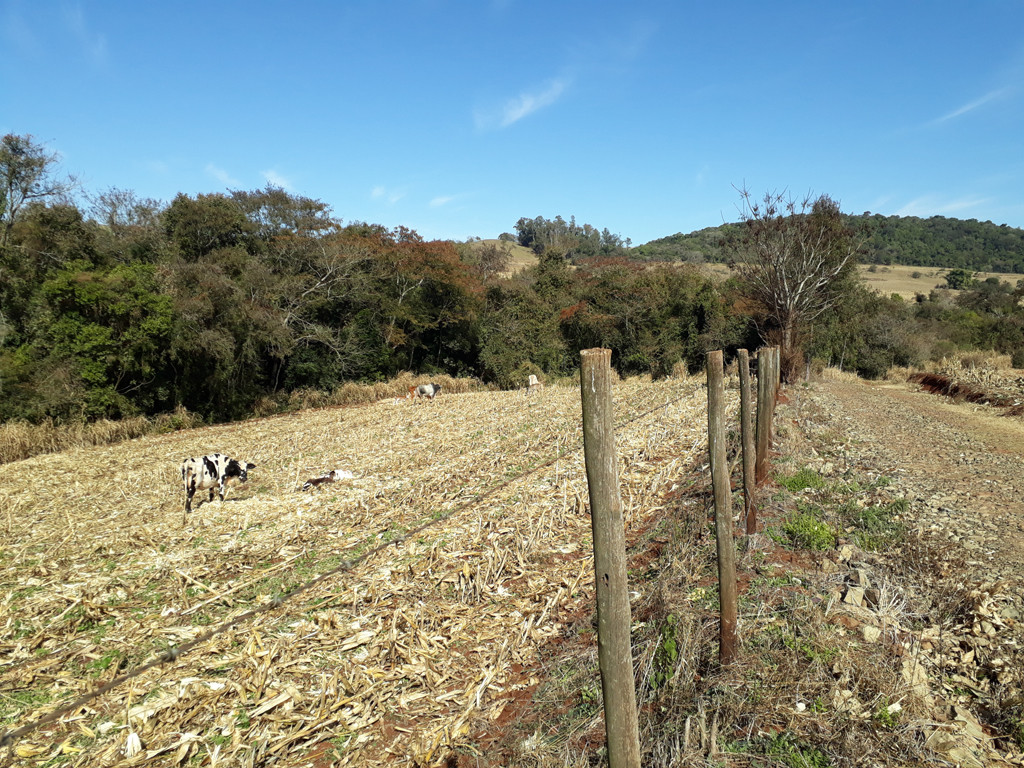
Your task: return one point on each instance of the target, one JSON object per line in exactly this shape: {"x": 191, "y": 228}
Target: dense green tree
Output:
{"x": 867, "y": 333}
{"x": 520, "y": 334}
{"x": 278, "y": 215}
{"x": 651, "y": 318}
{"x": 96, "y": 346}
{"x": 207, "y": 224}
{"x": 958, "y": 279}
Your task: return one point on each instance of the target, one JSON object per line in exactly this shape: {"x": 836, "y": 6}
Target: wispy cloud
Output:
{"x": 277, "y": 180}
{"x": 515, "y": 109}
{"x": 94, "y": 45}
{"x": 931, "y": 205}
{"x": 390, "y": 196}
{"x": 441, "y": 200}
{"x": 222, "y": 176}
{"x": 973, "y": 105}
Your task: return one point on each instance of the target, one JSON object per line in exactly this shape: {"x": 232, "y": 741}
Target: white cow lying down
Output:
{"x": 327, "y": 477}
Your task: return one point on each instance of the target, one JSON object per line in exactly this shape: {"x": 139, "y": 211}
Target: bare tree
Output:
{"x": 792, "y": 261}
{"x": 26, "y": 174}
{"x": 122, "y": 209}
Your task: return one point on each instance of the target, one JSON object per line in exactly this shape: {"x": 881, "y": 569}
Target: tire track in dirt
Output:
{"x": 962, "y": 465}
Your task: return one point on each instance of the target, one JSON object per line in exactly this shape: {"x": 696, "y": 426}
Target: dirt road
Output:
{"x": 961, "y": 465}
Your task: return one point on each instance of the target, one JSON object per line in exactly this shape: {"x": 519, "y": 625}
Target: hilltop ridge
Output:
{"x": 933, "y": 242}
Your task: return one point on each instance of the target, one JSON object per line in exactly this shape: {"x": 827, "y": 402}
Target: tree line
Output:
{"x": 113, "y": 305}
{"x": 217, "y": 302}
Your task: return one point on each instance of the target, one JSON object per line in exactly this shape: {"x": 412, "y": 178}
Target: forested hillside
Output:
{"x": 979, "y": 246}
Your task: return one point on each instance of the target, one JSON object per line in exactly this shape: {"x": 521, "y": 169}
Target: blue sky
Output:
{"x": 458, "y": 118}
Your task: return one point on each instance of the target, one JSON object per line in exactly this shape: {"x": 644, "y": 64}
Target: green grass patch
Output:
{"x": 666, "y": 655}
{"x": 793, "y": 753}
{"x": 804, "y": 478}
{"x": 14, "y": 704}
{"x": 806, "y": 529}
{"x": 876, "y": 527}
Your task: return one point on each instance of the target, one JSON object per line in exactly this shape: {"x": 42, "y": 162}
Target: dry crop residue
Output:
{"x": 395, "y": 662}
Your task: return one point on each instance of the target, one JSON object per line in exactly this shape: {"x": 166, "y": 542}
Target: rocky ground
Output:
{"x": 960, "y": 466}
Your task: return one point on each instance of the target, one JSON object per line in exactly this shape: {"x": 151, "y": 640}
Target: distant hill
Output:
{"x": 980, "y": 246}
{"x": 519, "y": 257}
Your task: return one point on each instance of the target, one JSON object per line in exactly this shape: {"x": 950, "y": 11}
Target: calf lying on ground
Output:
{"x": 328, "y": 477}
{"x": 424, "y": 390}
{"x": 213, "y": 471}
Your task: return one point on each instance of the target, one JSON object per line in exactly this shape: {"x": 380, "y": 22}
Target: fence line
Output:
{"x": 10, "y": 737}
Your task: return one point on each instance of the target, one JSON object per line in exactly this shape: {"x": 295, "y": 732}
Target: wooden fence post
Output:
{"x": 614, "y": 649}
{"x": 776, "y": 370}
{"x": 723, "y": 509}
{"x": 776, "y": 388}
{"x": 747, "y": 440}
{"x": 764, "y": 415}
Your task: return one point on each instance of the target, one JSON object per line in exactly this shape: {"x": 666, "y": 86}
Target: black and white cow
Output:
{"x": 424, "y": 390}
{"x": 212, "y": 472}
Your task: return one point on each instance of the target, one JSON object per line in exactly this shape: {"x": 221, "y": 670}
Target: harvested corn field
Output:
{"x": 450, "y": 559}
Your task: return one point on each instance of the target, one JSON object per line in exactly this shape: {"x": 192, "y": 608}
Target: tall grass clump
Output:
{"x": 23, "y": 440}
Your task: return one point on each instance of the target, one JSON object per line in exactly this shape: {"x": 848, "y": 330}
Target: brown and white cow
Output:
{"x": 429, "y": 391}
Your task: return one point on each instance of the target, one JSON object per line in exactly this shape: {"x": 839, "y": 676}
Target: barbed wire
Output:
{"x": 10, "y": 737}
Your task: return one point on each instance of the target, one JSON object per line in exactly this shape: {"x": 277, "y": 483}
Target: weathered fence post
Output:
{"x": 776, "y": 388}
{"x": 776, "y": 371}
{"x": 723, "y": 508}
{"x": 747, "y": 440}
{"x": 764, "y": 414}
{"x": 614, "y": 649}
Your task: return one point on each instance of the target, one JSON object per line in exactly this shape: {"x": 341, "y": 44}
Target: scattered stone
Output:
{"x": 847, "y": 701}
{"x": 828, "y": 566}
{"x": 847, "y": 621}
{"x": 859, "y": 578}
{"x": 854, "y": 596}
{"x": 916, "y": 678}
{"x": 870, "y": 634}
{"x": 946, "y": 743}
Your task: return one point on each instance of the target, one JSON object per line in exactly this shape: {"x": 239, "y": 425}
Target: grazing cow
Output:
{"x": 212, "y": 472}
{"x": 328, "y": 477}
{"x": 424, "y": 390}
